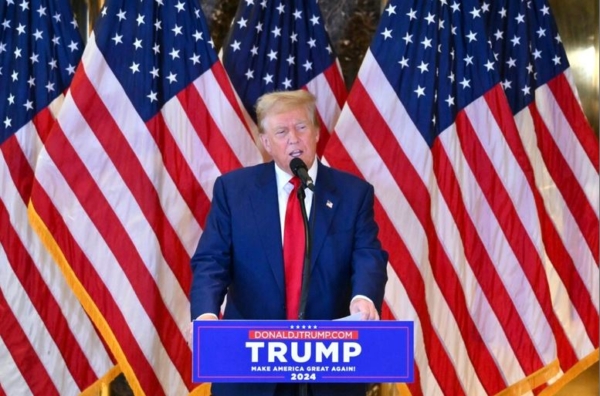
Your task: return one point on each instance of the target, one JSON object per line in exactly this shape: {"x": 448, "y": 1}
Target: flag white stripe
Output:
{"x": 400, "y": 304}
{"x": 568, "y": 315}
{"x": 556, "y": 207}
{"x": 126, "y": 208}
{"x": 135, "y": 132}
{"x": 478, "y": 305}
{"x": 10, "y": 375}
{"x": 98, "y": 252}
{"x": 506, "y": 166}
{"x": 231, "y": 127}
{"x": 566, "y": 141}
{"x": 393, "y": 112}
{"x": 39, "y": 337}
{"x": 82, "y": 329}
{"x": 403, "y": 219}
{"x": 327, "y": 104}
{"x": 196, "y": 156}
{"x": 497, "y": 246}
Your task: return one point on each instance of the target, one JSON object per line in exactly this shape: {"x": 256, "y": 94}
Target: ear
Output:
{"x": 265, "y": 142}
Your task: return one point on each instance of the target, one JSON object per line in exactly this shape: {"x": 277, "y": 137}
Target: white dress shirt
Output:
{"x": 284, "y": 188}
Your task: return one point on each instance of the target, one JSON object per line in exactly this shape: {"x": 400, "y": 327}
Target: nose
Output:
{"x": 292, "y": 136}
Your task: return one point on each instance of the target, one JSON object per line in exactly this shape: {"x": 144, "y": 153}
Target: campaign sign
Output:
{"x": 302, "y": 351}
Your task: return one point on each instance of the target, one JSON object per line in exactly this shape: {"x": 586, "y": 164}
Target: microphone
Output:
{"x": 299, "y": 169}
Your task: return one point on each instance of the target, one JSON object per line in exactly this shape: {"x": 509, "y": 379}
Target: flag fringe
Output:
{"x": 395, "y": 389}
{"x": 102, "y": 386}
{"x": 84, "y": 298}
{"x": 202, "y": 390}
{"x": 571, "y": 374}
{"x": 529, "y": 383}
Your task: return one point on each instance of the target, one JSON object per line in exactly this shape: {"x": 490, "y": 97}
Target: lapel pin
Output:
{"x": 329, "y": 204}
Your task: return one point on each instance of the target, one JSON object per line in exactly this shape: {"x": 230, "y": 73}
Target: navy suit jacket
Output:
{"x": 240, "y": 253}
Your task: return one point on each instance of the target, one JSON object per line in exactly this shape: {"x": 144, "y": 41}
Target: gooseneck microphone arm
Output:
{"x": 299, "y": 169}
{"x": 303, "y": 387}
{"x": 307, "y": 250}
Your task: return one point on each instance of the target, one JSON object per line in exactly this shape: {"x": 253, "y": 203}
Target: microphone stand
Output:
{"x": 303, "y": 387}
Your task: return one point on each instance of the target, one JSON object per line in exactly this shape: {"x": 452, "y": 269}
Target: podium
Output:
{"x": 302, "y": 351}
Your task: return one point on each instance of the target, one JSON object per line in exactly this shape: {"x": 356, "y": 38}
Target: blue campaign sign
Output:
{"x": 302, "y": 351}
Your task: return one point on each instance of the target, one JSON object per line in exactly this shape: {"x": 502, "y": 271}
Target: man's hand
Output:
{"x": 364, "y": 306}
{"x": 206, "y": 316}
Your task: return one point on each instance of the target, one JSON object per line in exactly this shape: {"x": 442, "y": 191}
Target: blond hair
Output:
{"x": 282, "y": 101}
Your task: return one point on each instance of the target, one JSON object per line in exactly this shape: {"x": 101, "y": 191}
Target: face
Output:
{"x": 288, "y": 135}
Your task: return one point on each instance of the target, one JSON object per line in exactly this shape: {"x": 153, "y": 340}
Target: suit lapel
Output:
{"x": 266, "y": 215}
{"x": 323, "y": 210}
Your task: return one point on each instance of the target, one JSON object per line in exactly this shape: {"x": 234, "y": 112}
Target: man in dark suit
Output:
{"x": 240, "y": 253}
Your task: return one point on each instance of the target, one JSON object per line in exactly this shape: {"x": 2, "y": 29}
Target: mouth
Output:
{"x": 296, "y": 153}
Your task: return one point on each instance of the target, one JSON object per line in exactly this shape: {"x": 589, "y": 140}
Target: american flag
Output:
{"x": 47, "y": 343}
{"x": 563, "y": 150}
{"x": 125, "y": 180}
{"x": 428, "y": 124}
{"x": 280, "y": 45}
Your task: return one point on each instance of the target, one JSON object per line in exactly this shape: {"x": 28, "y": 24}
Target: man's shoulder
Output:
{"x": 343, "y": 177}
{"x": 248, "y": 176}
{"x": 246, "y": 172}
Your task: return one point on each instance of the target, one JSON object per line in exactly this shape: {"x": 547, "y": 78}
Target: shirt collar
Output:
{"x": 283, "y": 177}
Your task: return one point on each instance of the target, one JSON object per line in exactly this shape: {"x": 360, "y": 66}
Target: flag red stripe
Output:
{"x": 47, "y": 307}
{"x": 118, "y": 240}
{"x": 19, "y": 167}
{"x": 407, "y": 179}
{"x": 87, "y": 275}
{"x": 43, "y": 122}
{"x": 21, "y": 350}
{"x": 571, "y": 191}
{"x": 336, "y": 82}
{"x": 409, "y": 275}
{"x": 569, "y": 104}
{"x": 567, "y": 271}
{"x": 484, "y": 270}
{"x": 225, "y": 84}
{"x": 552, "y": 242}
{"x": 35, "y": 286}
{"x": 183, "y": 177}
{"x": 415, "y": 386}
{"x": 204, "y": 125}
{"x": 324, "y": 135}
{"x": 501, "y": 204}
{"x": 128, "y": 165}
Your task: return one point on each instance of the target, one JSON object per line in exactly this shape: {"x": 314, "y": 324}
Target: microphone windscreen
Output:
{"x": 296, "y": 164}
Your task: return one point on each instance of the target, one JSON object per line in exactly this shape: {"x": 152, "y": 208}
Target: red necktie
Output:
{"x": 293, "y": 251}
